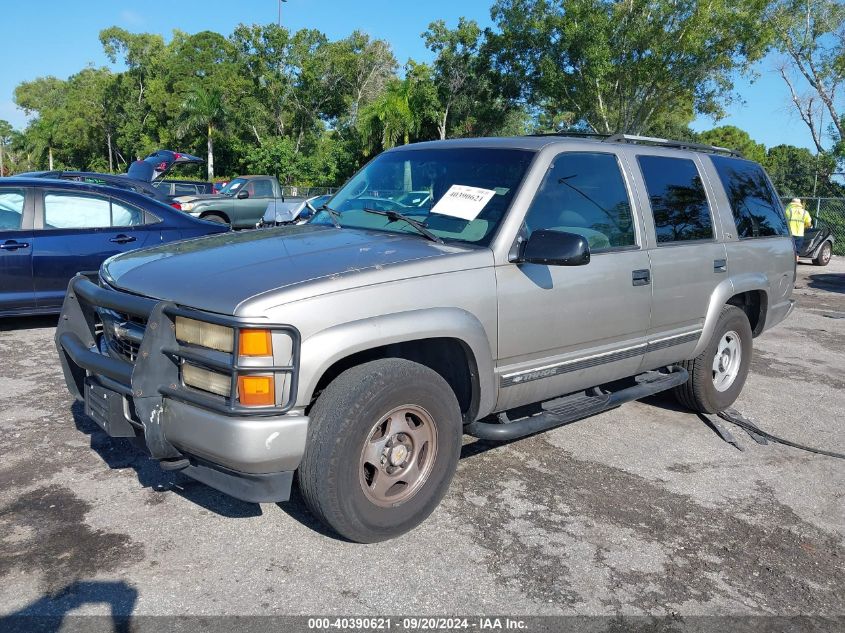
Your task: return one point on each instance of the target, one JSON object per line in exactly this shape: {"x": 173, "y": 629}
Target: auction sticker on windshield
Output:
{"x": 463, "y": 202}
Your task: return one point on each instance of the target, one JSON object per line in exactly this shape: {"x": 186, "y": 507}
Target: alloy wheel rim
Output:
{"x": 727, "y": 361}
{"x": 398, "y": 455}
{"x": 826, "y": 252}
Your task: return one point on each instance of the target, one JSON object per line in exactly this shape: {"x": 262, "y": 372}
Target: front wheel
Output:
{"x": 823, "y": 258}
{"x": 383, "y": 444}
{"x": 717, "y": 375}
{"x": 215, "y": 217}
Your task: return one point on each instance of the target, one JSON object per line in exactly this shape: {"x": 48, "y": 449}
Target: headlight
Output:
{"x": 209, "y": 335}
{"x": 206, "y": 380}
{"x": 187, "y": 206}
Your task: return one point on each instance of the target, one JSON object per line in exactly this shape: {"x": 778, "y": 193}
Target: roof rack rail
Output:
{"x": 573, "y": 134}
{"x": 663, "y": 142}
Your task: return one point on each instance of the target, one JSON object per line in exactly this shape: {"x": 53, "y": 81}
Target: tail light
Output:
{"x": 176, "y": 206}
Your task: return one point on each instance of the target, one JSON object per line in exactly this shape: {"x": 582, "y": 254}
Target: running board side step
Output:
{"x": 577, "y": 406}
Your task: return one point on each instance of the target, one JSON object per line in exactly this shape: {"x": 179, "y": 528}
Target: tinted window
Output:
{"x": 262, "y": 189}
{"x": 757, "y": 212}
{"x": 678, "y": 201}
{"x": 184, "y": 189}
{"x": 584, "y": 193}
{"x": 11, "y": 209}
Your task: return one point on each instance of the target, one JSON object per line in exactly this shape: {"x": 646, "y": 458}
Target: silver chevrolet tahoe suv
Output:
{"x": 545, "y": 279}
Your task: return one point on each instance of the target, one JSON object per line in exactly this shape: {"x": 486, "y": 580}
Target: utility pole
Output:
{"x": 280, "y": 12}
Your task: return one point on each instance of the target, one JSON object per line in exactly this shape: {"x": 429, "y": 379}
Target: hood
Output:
{"x": 199, "y": 197}
{"x": 282, "y": 211}
{"x": 220, "y": 272}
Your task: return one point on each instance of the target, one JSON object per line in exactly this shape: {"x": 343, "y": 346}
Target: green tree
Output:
{"x": 44, "y": 97}
{"x": 811, "y": 35}
{"x": 620, "y": 65}
{"x": 734, "y": 138}
{"x": 796, "y": 171}
{"x": 6, "y": 131}
{"x": 204, "y": 108}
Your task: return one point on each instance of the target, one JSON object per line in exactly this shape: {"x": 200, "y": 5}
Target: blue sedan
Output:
{"x": 51, "y": 229}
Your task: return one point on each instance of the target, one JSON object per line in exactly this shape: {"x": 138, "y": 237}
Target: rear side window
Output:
{"x": 123, "y": 214}
{"x": 678, "y": 201}
{"x": 756, "y": 209}
{"x": 583, "y": 193}
{"x": 11, "y": 209}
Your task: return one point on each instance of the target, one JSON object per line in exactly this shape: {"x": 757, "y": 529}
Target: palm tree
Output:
{"x": 389, "y": 119}
{"x": 205, "y": 109}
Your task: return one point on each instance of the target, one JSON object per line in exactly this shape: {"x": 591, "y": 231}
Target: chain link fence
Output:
{"x": 831, "y": 213}
{"x": 293, "y": 191}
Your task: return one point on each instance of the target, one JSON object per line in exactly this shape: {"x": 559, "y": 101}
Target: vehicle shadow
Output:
{"x": 11, "y": 324}
{"x": 831, "y": 282}
{"x": 122, "y": 453}
{"x": 47, "y": 614}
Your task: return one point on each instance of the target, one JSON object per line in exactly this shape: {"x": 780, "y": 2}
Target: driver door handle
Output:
{"x": 12, "y": 245}
{"x": 122, "y": 239}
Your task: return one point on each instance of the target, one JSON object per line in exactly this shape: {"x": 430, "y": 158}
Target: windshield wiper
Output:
{"x": 334, "y": 215}
{"x": 394, "y": 216}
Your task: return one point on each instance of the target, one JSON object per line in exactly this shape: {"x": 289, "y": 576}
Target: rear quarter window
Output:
{"x": 756, "y": 209}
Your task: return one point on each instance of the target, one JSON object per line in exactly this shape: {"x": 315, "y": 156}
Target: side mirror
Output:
{"x": 556, "y": 248}
{"x": 243, "y": 193}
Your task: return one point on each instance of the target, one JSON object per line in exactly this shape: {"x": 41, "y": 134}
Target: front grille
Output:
{"x": 123, "y": 333}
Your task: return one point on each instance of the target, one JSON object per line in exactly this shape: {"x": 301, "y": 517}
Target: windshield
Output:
{"x": 456, "y": 193}
{"x": 232, "y": 188}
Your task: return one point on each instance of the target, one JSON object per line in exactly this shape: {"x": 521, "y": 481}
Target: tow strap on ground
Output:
{"x": 757, "y": 434}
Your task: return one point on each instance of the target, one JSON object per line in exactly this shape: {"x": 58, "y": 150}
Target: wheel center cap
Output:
{"x": 398, "y": 454}
{"x": 725, "y": 361}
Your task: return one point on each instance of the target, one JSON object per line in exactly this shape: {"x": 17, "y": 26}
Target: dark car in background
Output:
{"x": 175, "y": 188}
{"x": 52, "y": 229}
{"x": 120, "y": 181}
{"x": 142, "y": 177}
{"x": 818, "y": 243}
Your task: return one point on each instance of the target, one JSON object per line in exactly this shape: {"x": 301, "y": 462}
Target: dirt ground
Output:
{"x": 641, "y": 510}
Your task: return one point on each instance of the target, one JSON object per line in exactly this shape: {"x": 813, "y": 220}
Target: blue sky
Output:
{"x": 32, "y": 46}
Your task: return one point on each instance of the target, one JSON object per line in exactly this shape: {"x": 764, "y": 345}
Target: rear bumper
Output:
{"x": 250, "y": 455}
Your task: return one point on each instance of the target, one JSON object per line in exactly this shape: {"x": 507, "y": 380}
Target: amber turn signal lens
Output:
{"x": 256, "y": 391}
{"x": 255, "y": 343}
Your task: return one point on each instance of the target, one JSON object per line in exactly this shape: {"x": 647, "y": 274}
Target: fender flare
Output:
{"x": 726, "y": 289}
{"x": 322, "y": 350}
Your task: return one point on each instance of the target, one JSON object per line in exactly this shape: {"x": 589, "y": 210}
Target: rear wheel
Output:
{"x": 383, "y": 444}
{"x": 823, "y": 258}
{"x": 717, "y": 375}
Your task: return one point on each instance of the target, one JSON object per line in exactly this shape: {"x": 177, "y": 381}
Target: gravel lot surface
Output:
{"x": 641, "y": 510}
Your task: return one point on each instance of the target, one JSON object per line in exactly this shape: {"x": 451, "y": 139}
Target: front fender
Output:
{"x": 724, "y": 291}
{"x": 322, "y": 350}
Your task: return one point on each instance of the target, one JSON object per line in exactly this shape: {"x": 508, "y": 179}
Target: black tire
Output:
{"x": 215, "y": 217}
{"x": 340, "y": 427}
{"x": 699, "y": 393}
{"x": 823, "y": 258}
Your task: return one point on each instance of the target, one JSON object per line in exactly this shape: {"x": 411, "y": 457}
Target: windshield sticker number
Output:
{"x": 463, "y": 202}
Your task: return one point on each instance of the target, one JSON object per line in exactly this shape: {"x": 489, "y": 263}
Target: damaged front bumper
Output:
{"x": 248, "y": 453}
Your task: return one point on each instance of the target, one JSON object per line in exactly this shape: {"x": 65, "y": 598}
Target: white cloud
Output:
{"x": 132, "y": 18}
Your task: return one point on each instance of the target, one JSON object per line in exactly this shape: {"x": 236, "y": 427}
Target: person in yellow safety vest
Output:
{"x": 799, "y": 219}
